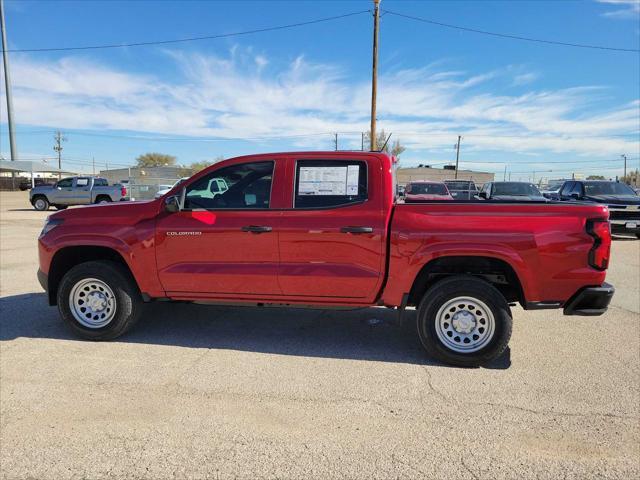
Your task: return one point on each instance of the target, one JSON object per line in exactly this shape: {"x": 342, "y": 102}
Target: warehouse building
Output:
{"x": 426, "y": 173}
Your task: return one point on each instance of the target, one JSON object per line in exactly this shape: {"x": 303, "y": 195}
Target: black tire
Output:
{"x": 103, "y": 199}
{"x": 128, "y": 301}
{"x": 464, "y": 286}
{"x": 60, "y": 207}
{"x": 637, "y": 235}
{"x": 40, "y": 203}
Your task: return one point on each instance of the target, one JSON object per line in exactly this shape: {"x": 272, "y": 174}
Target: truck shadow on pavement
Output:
{"x": 371, "y": 334}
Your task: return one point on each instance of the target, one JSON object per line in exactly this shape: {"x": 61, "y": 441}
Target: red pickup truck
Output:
{"x": 325, "y": 229}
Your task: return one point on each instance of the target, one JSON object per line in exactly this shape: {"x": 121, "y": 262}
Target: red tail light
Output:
{"x": 123, "y": 191}
{"x": 599, "y": 254}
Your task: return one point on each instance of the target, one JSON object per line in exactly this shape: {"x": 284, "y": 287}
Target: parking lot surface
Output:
{"x": 217, "y": 392}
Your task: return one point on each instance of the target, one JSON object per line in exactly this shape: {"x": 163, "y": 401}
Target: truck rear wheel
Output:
{"x": 464, "y": 321}
{"x": 98, "y": 300}
{"x": 41, "y": 203}
{"x": 103, "y": 199}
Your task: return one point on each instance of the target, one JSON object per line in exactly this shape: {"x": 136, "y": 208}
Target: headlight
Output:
{"x": 49, "y": 225}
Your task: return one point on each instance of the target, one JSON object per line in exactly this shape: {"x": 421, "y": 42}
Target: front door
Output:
{"x": 64, "y": 194}
{"x": 223, "y": 242}
{"x": 332, "y": 239}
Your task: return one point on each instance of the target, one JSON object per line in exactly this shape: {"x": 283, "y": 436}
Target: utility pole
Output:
{"x": 59, "y": 138}
{"x": 625, "y": 164}
{"x": 374, "y": 72}
{"x": 7, "y": 84}
{"x": 457, "y": 155}
{"x": 93, "y": 161}
{"x": 335, "y": 141}
{"x": 362, "y": 139}
{"x": 504, "y": 176}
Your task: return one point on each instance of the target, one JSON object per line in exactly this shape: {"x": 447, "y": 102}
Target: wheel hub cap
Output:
{"x": 464, "y": 322}
{"x": 92, "y": 303}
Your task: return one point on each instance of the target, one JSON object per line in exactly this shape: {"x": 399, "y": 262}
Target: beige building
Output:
{"x": 406, "y": 175}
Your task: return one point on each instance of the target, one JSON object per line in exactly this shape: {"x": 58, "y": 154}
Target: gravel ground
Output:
{"x": 197, "y": 391}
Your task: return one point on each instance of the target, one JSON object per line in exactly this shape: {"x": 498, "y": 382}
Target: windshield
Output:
{"x": 516, "y": 189}
{"x": 607, "y": 188}
{"x": 427, "y": 189}
{"x": 461, "y": 185}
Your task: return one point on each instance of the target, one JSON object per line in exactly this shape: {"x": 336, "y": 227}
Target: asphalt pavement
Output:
{"x": 228, "y": 392}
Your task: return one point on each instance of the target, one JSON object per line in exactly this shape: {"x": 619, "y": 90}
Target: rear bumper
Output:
{"x": 590, "y": 301}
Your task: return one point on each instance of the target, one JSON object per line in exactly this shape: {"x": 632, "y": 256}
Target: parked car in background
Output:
{"x": 462, "y": 189}
{"x": 167, "y": 188}
{"x": 425, "y": 191}
{"x": 552, "y": 189}
{"x": 623, "y": 202}
{"x": 37, "y": 182}
{"x": 323, "y": 229}
{"x": 511, "y": 191}
{"x": 75, "y": 191}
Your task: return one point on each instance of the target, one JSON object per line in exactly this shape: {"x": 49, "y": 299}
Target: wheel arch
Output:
{"x": 101, "y": 196}
{"x": 495, "y": 271}
{"x": 68, "y": 257}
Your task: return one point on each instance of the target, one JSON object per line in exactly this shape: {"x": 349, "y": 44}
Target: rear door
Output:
{"x": 82, "y": 190}
{"x": 223, "y": 243}
{"x": 332, "y": 236}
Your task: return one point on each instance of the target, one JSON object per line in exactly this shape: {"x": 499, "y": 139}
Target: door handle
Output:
{"x": 256, "y": 229}
{"x": 356, "y": 230}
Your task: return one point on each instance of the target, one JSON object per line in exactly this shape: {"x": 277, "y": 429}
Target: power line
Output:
{"x": 192, "y": 39}
{"x": 510, "y": 36}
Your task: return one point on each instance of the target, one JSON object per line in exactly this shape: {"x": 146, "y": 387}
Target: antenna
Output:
{"x": 385, "y": 142}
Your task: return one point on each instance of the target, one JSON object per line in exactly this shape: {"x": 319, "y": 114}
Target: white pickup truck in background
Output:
{"x": 75, "y": 191}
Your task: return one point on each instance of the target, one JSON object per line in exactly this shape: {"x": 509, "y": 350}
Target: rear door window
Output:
{"x": 330, "y": 183}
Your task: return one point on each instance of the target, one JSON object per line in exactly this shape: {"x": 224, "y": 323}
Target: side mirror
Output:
{"x": 483, "y": 195}
{"x": 575, "y": 196}
{"x": 172, "y": 204}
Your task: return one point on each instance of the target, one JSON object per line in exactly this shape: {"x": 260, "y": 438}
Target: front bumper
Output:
{"x": 590, "y": 301}
{"x": 44, "y": 280}
{"x": 625, "y": 225}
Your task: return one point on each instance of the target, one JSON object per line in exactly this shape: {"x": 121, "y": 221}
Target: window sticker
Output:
{"x": 353, "y": 177}
{"x": 329, "y": 180}
{"x": 82, "y": 182}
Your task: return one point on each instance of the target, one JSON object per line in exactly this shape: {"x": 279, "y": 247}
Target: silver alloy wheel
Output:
{"x": 465, "y": 324}
{"x": 40, "y": 204}
{"x": 92, "y": 303}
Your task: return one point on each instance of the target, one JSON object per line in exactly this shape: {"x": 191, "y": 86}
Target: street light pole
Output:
{"x": 7, "y": 84}
{"x": 625, "y": 164}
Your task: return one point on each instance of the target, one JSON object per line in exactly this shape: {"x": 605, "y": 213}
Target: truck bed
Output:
{"x": 546, "y": 244}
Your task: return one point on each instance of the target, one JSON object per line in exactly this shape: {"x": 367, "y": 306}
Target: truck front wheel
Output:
{"x": 98, "y": 300}
{"x": 41, "y": 203}
{"x": 464, "y": 321}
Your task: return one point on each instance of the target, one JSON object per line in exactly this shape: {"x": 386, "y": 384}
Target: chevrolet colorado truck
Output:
{"x": 324, "y": 229}
{"x": 75, "y": 191}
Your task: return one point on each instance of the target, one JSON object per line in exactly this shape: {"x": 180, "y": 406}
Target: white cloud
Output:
{"x": 630, "y": 9}
{"x": 245, "y": 95}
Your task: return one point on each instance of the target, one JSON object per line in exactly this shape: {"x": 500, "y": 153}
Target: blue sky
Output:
{"x": 529, "y": 106}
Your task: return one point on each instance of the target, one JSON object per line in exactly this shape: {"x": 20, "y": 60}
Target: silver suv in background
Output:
{"x": 75, "y": 191}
